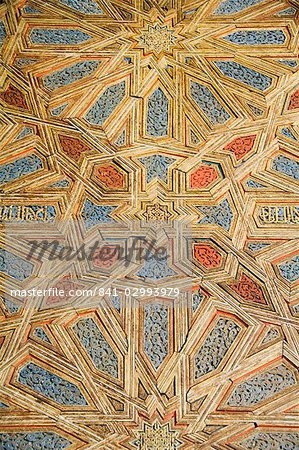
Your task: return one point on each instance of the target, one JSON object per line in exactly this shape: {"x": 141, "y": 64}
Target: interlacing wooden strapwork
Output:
{"x": 170, "y": 112}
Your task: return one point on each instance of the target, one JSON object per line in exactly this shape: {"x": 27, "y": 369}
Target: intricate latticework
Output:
{"x": 50, "y": 385}
{"x": 215, "y": 347}
{"x": 182, "y": 115}
{"x": 96, "y": 346}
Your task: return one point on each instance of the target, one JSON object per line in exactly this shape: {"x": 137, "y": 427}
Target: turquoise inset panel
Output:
{"x": 57, "y": 111}
{"x": 262, "y": 386}
{"x": 14, "y": 266}
{"x": 25, "y": 132}
{"x": 271, "y": 335}
{"x": 289, "y": 270}
{"x": 208, "y": 103}
{"x": 116, "y": 301}
{"x": 288, "y": 133}
{"x": 38, "y": 440}
{"x": 256, "y": 111}
{"x": 257, "y": 246}
{"x": 286, "y": 166}
{"x": 254, "y": 184}
{"x": 156, "y": 333}
{"x": 58, "y": 36}
{"x": 272, "y": 441}
{"x": 156, "y": 167}
{"x": 257, "y": 37}
{"x": 51, "y": 385}
{"x": 235, "y": 6}
{"x": 2, "y": 33}
{"x": 245, "y": 75}
{"x": 157, "y": 115}
{"x": 287, "y": 12}
{"x": 10, "y": 306}
{"x": 93, "y": 214}
{"x": 155, "y": 268}
{"x": 61, "y": 184}
{"x": 28, "y": 9}
{"x": 41, "y": 334}
{"x": 23, "y": 62}
{"x": 96, "y": 346}
{"x": 83, "y": 6}
{"x": 197, "y": 298}
{"x": 121, "y": 140}
{"x": 289, "y": 62}
{"x": 215, "y": 347}
{"x": 19, "y": 168}
{"x": 219, "y": 215}
{"x": 106, "y": 104}
{"x": 70, "y": 74}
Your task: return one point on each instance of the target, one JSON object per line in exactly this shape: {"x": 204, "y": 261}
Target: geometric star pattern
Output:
{"x": 173, "y": 112}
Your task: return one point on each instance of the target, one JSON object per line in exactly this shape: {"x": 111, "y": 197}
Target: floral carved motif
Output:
{"x": 249, "y": 290}
{"x": 294, "y": 101}
{"x": 203, "y": 176}
{"x": 106, "y": 256}
{"x": 73, "y": 147}
{"x": 110, "y": 176}
{"x": 156, "y": 212}
{"x": 14, "y": 97}
{"x": 65, "y": 284}
{"x": 207, "y": 256}
{"x": 241, "y": 146}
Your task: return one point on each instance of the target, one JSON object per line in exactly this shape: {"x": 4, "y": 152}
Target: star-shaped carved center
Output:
{"x": 158, "y": 437}
{"x": 157, "y": 38}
